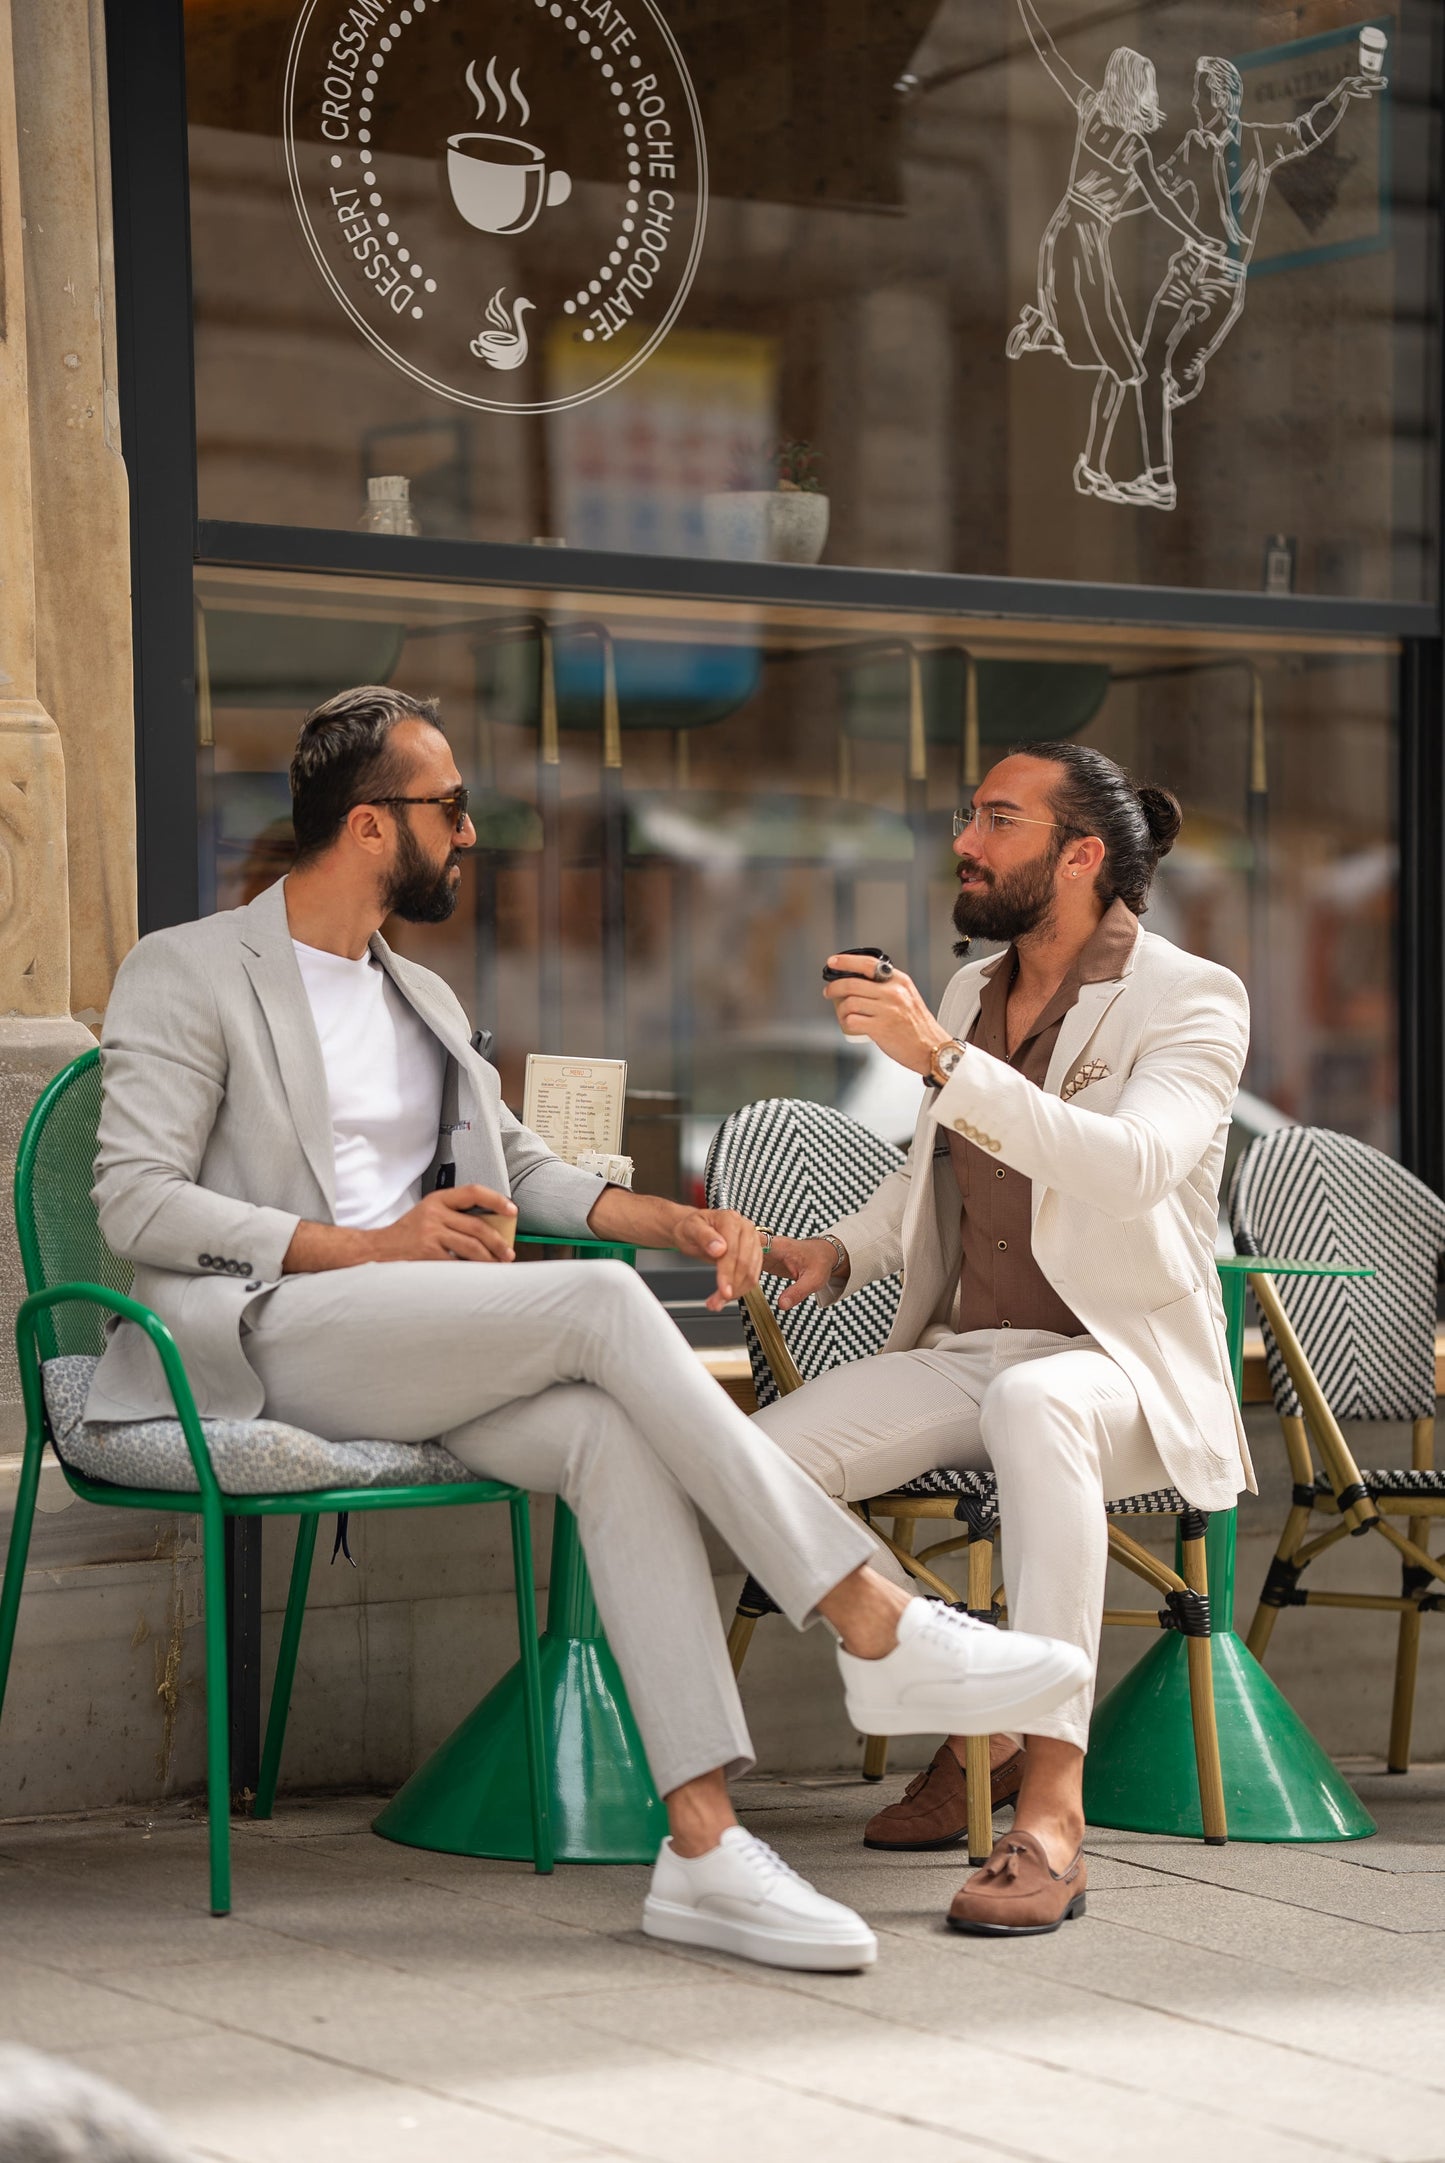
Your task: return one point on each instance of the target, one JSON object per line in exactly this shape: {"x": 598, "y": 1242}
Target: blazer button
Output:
{"x": 254, "y": 1287}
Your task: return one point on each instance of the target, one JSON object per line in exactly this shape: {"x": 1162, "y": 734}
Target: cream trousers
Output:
{"x": 1054, "y": 1418}
{"x": 569, "y": 1377}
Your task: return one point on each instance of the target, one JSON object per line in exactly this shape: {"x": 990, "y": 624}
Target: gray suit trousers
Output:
{"x": 567, "y": 1377}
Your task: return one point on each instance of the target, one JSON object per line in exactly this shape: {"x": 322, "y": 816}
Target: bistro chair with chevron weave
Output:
{"x": 212, "y": 1468}
{"x": 800, "y": 1167}
{"x": 1341, "y": 1350}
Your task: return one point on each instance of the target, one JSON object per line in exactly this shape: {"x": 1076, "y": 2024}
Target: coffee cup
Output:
{"x": 499, "y": 1221}
{"x": 1372, "y": 50}
{"x": 882, "y": 965}
{"x": 501, "y": 184}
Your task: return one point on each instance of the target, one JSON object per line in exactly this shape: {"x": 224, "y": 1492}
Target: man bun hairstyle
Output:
{"x": 344, "y": 756}
{"x": 1137, "y": 824}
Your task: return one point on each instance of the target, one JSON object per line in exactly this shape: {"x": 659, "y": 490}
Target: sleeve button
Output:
{"x": 207, "y": 1261}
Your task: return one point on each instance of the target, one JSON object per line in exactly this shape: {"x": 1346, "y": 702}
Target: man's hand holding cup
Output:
{"x": 884, "y": 1005}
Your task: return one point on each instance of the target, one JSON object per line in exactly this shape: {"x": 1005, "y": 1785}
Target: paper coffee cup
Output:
{"x": 500, "y": 1221}
{"x": 1372, "y": 50}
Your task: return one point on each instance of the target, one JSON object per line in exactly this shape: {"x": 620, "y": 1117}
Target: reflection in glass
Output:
{"x": 681, "y": 814}
{"x": 879, "y": 181}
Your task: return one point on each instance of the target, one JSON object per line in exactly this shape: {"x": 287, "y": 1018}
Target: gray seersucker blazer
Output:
{"x": 215, "y": 1142}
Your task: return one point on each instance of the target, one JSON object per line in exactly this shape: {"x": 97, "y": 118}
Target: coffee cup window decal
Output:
{"x": 500, "y": 182}
{"x": 468, "y": 286}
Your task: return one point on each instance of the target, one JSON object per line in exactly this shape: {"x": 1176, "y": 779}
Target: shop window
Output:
{"x": 1012, "y": 287}
{"x": 681, "y": 814}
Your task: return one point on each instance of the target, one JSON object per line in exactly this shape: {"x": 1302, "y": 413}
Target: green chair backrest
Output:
{"x": 55, "y": 1218}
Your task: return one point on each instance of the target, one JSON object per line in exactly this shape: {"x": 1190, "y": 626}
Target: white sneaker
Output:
{"x": 951, "y": 1675}
{"x": 742, "y": 1898}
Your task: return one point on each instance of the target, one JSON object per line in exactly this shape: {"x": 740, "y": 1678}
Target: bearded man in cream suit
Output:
{"x": 1060, "y": 1320}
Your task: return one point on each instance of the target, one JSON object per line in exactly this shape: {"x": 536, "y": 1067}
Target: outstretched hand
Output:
{"x": 730, "y": 1241}
{"x": 808, "y": 1264}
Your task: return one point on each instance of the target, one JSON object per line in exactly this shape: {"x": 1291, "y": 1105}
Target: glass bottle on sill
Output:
{"x": 388, "y": 505}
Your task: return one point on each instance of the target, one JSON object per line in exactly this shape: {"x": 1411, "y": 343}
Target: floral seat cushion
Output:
{"x": 251, "y": 1457}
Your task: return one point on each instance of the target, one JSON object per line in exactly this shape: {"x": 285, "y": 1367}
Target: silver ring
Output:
{"x": 883, "y": 969}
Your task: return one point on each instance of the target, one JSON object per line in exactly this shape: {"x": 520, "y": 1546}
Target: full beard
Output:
{"x": 1005, "y": 909}
{"x": 417, "y": 892}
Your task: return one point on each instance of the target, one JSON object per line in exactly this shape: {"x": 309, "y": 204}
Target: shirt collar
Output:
{"x": 1103, "y": 957}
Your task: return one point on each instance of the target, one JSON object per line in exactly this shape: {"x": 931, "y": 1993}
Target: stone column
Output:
{"x": 37, "y": 1033}
{"x": 80, "y": 511}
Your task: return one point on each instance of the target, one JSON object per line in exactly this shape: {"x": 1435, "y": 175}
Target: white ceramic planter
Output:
{"x": 766, "y": 525}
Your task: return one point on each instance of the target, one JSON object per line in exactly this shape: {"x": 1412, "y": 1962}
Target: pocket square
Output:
{"x": 1091, "y": 1071}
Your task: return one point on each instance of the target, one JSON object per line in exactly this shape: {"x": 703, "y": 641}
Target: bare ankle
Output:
{"x": 698, "y": 1814}
{"x": 864, "y": 1610}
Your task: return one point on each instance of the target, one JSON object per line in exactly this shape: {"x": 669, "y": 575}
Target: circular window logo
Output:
{"x": 507, "y": 197}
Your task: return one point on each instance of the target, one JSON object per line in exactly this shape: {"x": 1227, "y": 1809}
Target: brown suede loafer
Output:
{"x": 1017, "y": 1895}
{"x": 932, "y": 1811}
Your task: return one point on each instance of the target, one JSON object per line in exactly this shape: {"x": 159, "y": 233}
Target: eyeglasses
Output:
{"x": 989, "y": 821}
{"x": 455, "y": 802}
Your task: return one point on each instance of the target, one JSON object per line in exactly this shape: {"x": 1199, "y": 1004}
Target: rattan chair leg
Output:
{"x": 979, "y": 1775}
{"x": 1266, "y": 1614}
{"x": 1407, "y": 1663}
{"x": 875, "y": 1756}
{"x": 740, "y": 1636}
{"x": 218, "y": 1708}
{"x": 286, "y": 1665}
{"x": 1200, "y": 1657}
{"x": 977, "y": 1769}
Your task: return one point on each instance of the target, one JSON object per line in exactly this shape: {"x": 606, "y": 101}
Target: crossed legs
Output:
{"x": 569, "y": 1378}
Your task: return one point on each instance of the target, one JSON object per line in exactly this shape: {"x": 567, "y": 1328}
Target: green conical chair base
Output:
{"x": 470, "y": 1797}
{"x": 1139, "y": 1775}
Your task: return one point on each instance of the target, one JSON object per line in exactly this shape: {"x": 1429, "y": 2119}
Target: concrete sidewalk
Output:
{"x": 367, "y": 2003}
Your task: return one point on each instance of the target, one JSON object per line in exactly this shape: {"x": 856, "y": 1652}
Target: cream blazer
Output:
{"x": 1124, "y": 1145}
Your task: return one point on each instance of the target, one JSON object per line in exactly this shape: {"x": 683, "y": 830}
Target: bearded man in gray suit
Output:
{"x": 305, "y": 1157}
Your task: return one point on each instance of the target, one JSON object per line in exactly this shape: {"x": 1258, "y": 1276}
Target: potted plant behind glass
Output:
{"x": 787, "y": 523}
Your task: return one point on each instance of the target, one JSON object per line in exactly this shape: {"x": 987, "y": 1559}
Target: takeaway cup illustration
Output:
{"x": 500, "y": 183}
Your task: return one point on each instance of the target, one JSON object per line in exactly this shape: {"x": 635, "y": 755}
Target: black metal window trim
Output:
{"x": 840, "y": 588}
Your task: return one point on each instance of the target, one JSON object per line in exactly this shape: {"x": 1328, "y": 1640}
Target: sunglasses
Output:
{"x": 455, "y": 802}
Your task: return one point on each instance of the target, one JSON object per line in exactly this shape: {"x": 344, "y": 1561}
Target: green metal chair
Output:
{"x": 73, "y": 1282}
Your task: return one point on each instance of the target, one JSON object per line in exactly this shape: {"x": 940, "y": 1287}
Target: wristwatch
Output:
{"x": 945, "y": 1063}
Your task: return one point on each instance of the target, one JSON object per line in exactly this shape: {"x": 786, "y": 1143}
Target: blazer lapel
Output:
{"x": 417, "y": 988}
{"x": 270, "y": 962}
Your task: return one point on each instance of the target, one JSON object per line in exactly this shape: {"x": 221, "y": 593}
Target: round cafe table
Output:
{"x": 1279, "y": 1785}
{"x": 470, "y": 1796}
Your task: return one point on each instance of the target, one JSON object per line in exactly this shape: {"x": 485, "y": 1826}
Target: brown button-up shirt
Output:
{"x": 1000, "y": 1284}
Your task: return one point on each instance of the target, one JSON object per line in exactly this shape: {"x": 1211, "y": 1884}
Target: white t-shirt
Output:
{"x": 384, "y": 1075}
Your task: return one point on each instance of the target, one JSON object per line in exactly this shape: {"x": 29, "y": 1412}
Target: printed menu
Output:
{"x": 575, "y": 1104}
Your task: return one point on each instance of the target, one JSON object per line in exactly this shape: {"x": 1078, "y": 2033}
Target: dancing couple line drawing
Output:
{"x": 1211, "y": 191}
